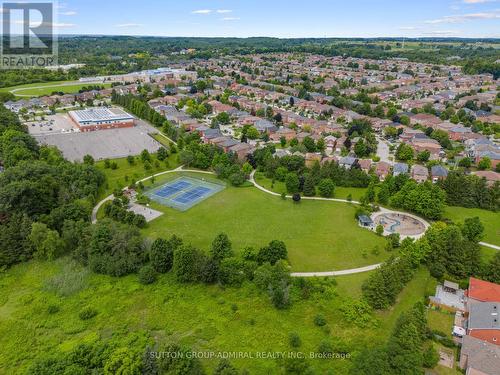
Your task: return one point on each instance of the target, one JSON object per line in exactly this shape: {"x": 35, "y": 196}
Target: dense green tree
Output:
{"x": 292, "y": 183}
{"x": 326, "y": 188}
{"x": 404, "y": 152}
{"x": 309, "y": 185}
{"x": 162, "y": 251}
{"x": 221, "y": 247}
{"x": 275, "y": 251}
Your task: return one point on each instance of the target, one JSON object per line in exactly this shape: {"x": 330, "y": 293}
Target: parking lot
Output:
{"x": 101, "y": 144}
{"x": 52, "y": 124}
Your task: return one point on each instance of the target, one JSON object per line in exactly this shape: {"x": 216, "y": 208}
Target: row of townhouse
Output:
{"x": 477, "y": 324}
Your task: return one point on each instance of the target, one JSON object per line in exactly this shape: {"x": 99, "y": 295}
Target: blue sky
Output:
{"x": 281, "y": 18}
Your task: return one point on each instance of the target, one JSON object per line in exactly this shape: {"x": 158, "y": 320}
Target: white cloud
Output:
{"x": 478, "y": 1}
{"x": 69, "y": 13}
{"x": 63, "y": 25}
{"x": 202, "y": 11}
{"x": 408, "y": 28}
{"x": 465, "y": 17}
{"x": 126, "y": 25}
{"x": 224, "y": 11}
{"x": 34, "y": 24}
{"x": 230, "y": 18}
{"x": 441, "y": 33}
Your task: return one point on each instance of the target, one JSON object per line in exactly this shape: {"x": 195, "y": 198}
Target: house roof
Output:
{"x": 349, "y": 160}
{"x": 365, "y": 219}
{"x": 438, "y": 170}
{"x": 481, "y": 355}
{"x": 484, "y": 315}
{"x": 400, "y": 168}
{"x": 483, "y": 290}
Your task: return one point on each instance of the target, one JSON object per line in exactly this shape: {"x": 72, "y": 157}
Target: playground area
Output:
{"x": 397, "y": 222}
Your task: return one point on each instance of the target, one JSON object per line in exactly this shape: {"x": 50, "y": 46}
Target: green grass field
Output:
{"x": 200, "y": 316}
{"x": 279, "y": 187}
{"x": 320, "y": 236}
{"x": 125, "y": 173}
{"x": 46, "y": 88}
{"x": 490, "y": 220}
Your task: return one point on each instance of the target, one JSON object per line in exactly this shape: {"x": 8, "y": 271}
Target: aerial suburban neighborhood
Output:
{"x": 245, "y": 204}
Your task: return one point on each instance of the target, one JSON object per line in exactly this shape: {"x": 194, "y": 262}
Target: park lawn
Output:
{"x": 490, "y": 220}
{"x": 126, "y": 173}
{"x": 320, "y": 236}
{"x": 47, "y": 88}
{"x": 279, "y": 187}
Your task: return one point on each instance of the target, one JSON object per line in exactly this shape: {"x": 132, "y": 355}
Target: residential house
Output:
{"x": 382, "y": 170}
{"x": 482, "y": 291}
{"x": 241, "y": 149}
{"x": 478, "y": 357}
{"x": 265, "y": 126}
{"x": 484, "y": 322}
{"x": 419, "y": 173}
{"x": 490, "y": 176}
{"x": 438, "y": 172}
{"x": 347, "y": 162}
{"x": 399, "y": 168}
{"x": 312, "y": 158}
{"x": 287, "y": 133}
{"x": 365, "y": 164}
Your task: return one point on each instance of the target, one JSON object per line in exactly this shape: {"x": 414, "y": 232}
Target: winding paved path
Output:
{"x": 252, "y": 180}
{"x": 337, "y": 273}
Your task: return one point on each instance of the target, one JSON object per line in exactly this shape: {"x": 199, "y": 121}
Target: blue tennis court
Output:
{"x": 192, "y": 195}
{"x": 184, "y": 192}
{"x": 169, "y": 190}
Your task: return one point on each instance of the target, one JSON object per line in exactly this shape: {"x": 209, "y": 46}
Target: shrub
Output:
{"x": 87, "y": 313}
{"x": 319, "y": 320}
{"x": 147, "y": 275}
{"x": 70, "y": 280}
{"x": 52, "y": 309}
{"x": 431, "y": 357}
{"x": 294, "y": 340}
{"x": 231, "y": 272}
{"x": 325, "y": 348}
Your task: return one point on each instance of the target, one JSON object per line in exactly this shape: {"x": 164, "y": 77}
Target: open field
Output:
{"x": 46, "y": 88}
{"x": 196, "y": 315}
{"x": 490, "y": 220}
{"x": 320, "y": 236}
{"x": 279, "y": 187}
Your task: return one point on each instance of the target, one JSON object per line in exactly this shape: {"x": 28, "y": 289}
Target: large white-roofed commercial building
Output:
{"x": 101, "y": 118}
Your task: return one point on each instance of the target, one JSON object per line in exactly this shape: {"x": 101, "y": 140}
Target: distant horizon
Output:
{"x": 285, "y": 38}
{"x": 284, "y": 19}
